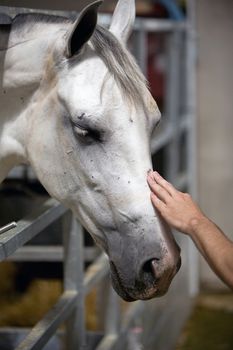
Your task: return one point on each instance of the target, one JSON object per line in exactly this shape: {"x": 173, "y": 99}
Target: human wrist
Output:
{"x": 195, "y": 225}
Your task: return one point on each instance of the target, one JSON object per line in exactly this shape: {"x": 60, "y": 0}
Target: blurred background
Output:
{"x": 185, "y": 49}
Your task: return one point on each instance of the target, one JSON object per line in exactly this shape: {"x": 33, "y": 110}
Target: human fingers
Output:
{"x": 163, "y": 183}
{"x": 159, "y": 191}
{"x": 158, "y": 204}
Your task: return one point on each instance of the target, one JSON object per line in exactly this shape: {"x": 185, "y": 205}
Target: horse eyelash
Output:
{"x": 81, "y": 132}
{"x": 87, "y": 132}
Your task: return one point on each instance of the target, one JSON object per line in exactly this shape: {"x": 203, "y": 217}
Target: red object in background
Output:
{"x": 156, "y": 63}
{"x": 155, "y": 11}
{"x": 156, "y": 66}
{"x": 159, "y": 11}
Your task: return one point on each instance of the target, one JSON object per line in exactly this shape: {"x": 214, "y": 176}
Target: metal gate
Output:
{"x": 148, "y": 323}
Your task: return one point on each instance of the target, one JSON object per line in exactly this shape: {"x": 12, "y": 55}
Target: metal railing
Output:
{"x": 77, "y": 284}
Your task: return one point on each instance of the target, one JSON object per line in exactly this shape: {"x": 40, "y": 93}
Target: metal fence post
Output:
{"x": 173, "y": 104}
{"x": 191, "y": 62}
{"x": 112, "y": 320}
{"x": 141, "y": 48}
{"x": 73, "y": 281}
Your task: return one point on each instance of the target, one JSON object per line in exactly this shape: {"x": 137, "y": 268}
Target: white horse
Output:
{"x": 75, "y": 106}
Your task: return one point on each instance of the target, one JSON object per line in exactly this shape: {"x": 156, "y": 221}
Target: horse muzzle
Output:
{"x": 152, "y": 280}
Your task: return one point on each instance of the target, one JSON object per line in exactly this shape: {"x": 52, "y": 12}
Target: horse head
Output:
{"x": 90, "y": 147}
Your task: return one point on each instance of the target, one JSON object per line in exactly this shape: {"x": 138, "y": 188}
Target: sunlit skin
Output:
{"x": 184, "y": 215}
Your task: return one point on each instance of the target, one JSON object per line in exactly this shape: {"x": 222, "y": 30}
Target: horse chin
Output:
{"x": 122, "y": 292}
{"x": 130, "y": 295}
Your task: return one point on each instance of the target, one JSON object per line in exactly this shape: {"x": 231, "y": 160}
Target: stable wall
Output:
{"x": 215, "y": 116}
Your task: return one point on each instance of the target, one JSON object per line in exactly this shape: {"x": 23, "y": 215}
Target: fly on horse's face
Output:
{"x": 88, "y": 140}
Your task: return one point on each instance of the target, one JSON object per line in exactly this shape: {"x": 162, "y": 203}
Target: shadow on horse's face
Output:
{"x": 97, "y": 139}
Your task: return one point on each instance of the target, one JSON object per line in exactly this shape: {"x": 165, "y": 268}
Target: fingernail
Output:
{"x": 150, "y": 177}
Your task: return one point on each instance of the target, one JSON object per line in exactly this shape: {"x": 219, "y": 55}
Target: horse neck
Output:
{"x": 22, "y": 67}
{"x": 22, "y": 63}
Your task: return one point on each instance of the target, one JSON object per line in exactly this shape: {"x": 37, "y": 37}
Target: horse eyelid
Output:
{"x": 87, "y": 131}
{"x": 81, "y": 132}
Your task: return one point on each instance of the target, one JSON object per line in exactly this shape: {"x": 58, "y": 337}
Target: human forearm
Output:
{"x": 216, "y": 248}
{"x": 183, "y": 214}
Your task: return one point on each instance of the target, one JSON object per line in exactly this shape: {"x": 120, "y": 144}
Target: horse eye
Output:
{"x": 88, "y": 133}
{"x": 95, "y": 134}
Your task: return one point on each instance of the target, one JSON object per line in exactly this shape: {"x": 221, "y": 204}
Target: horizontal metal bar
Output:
{"x": 158, "y": 25}
{"x": 95, "y": 272}
{"x": 166, "y": 134}
{"x": 149, "y": 24}
{"x": 38, "y": 253}
{"x": 141, "y": 24}
{"x": 29, "y": 227}
{"x": 45, "y": 329}
{"x": 49, "y": 253}
{"x": 161, "y": 139}
{"x": 107, "y": 342}
{"x": 8, "y": 227}
{"x": 9, "y": 336}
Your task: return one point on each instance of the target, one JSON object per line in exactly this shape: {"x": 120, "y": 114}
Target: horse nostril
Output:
{"x": 150, "y": 266}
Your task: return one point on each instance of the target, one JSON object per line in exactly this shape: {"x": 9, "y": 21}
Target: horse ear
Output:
{"x": 83, "y": 28}
{"x": 123, "y": 19}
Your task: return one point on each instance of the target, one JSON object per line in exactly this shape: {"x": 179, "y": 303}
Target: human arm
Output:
{"x": 183, "y": 214}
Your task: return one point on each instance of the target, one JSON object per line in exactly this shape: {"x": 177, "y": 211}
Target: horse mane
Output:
{"x": 23, "y": 19}
{"x": 120, "y": 63}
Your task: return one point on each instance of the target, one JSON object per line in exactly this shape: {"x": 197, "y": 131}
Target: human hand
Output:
{"x": 177, "y": 208}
